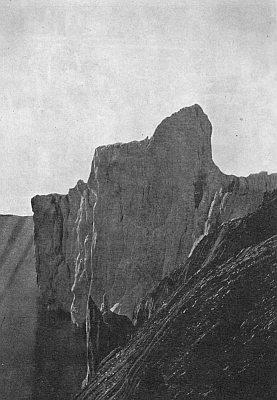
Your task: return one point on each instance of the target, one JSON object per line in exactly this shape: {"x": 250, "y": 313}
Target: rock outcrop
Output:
{"x": 208, "y": 330}
{"x": 145, "y": 206}
{"x": 107, "y": 333}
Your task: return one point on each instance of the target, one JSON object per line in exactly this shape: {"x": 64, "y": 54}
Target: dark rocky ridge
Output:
{"x": 209, "y": 328}
{"x": 144, "y": 206}
{"x": 147, "y": 207}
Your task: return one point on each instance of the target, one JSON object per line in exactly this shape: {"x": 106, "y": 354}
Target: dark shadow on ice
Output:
{"x": 13, "y": 236}
{"x": 42, "y": 354}
{"x": 19, "y": 264}
{"x": 59, "y": 357}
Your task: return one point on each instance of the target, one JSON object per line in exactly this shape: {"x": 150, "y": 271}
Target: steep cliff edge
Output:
{"x": 208, "y": 330}
{"x": 56, "y": 248}
{"x": 144, "y": 206}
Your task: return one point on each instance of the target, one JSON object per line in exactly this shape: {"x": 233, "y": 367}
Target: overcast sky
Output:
{"x": 78, "y": 74}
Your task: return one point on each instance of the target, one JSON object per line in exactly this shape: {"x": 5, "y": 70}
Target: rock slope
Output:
{"x": 208, "y": 330}
{"x": 145, "y": 206}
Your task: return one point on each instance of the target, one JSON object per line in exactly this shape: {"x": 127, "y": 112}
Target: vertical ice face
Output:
{"x": 142, "y": 209}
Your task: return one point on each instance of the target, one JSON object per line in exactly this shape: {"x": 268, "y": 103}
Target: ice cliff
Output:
{"x": 145, "y": 206}
{"x": 208, "y": 329}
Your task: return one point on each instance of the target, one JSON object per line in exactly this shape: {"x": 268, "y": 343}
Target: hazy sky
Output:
{"x": 78, "y": 74}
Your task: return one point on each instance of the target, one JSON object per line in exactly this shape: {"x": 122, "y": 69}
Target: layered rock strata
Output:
{"x": 143, "y": 208}
{"x": 209, "y": 329}
{"x": 107, "y": 333}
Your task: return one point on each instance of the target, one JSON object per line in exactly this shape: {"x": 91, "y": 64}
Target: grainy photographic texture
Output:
{"x": 137, "y": 223}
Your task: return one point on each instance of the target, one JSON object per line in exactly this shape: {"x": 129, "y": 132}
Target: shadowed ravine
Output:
{"x": 42, "y": 355}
